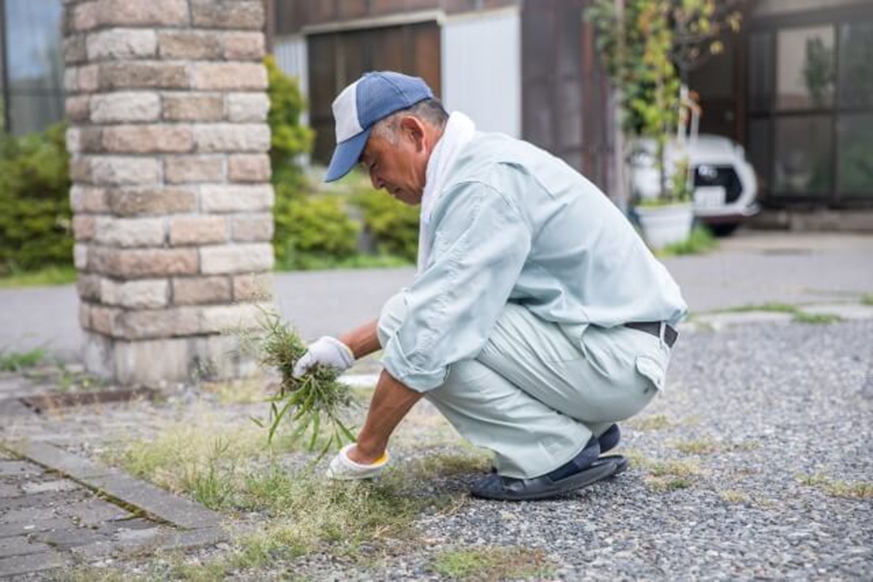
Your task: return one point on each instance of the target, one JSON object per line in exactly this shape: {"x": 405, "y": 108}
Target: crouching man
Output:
{"x": 538, "y": 319}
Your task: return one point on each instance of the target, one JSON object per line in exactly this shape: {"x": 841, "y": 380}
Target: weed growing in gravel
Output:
{"x": 231, "y": 468}
{"x": 17, "y": 361}
{"x": 697, "y": 447}
{"x": 837, "y": 488}
{"x": 655, "y": 422}
{"x": 493, "y": 563}
{"x": 666, "y": 475}
{"x": 664, "y": 484}
{"x": 733, "y": 496}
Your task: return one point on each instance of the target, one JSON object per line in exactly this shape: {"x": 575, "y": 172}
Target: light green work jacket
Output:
{"x": 516, "y": 224}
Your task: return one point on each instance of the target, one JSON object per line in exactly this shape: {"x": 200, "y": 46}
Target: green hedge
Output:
{"x": 312, "y": 230}
{"x": 393, "y": 224}
{"x": 34, "y": 197}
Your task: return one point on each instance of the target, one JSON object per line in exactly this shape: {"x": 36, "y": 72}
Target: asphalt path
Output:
{"x": 750, "y": 268}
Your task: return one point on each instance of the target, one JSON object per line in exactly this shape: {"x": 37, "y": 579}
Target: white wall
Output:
{"x": 481, "y": 69}
{"x": 291, "y": 58}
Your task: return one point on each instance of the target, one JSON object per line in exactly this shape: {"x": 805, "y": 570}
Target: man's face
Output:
{"x": 398, "y": 167}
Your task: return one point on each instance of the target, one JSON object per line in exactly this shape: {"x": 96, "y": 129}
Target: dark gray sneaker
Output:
{"x": 583, "y": 470}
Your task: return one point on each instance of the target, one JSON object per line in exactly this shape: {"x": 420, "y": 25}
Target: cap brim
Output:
{"x": 346, "y": 155}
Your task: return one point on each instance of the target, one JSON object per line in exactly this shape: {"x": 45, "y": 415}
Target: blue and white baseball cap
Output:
{"x": 373, "y": 97}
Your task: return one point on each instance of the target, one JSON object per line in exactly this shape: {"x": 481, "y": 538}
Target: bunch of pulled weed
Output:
{"x": 317, "y": 402}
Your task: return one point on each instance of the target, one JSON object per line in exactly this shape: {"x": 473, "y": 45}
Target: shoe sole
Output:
{"x": 599, "y": 470}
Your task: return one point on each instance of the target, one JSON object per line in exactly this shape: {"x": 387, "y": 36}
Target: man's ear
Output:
{"x": 412, "y": 128}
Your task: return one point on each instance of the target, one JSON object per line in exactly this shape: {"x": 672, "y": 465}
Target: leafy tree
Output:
{"x": 649, "y": 46}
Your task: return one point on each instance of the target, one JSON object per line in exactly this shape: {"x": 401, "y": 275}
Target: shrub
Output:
{"x": 393, "y": 224}
{"x": 311, "y": 228}
{"x": 34, "y": 196}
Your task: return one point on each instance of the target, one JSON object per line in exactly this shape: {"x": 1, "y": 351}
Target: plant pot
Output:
{"x": 665, "y": 225}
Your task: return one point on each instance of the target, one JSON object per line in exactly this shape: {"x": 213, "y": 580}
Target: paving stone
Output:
{"x": 19, "y": 469}
{"x": 44, "y": 499}
{"x": 50, "y": 486}
{"x": 14, "y": 387}
{"x": 19, "y": 528}
{"x": 70, "y": 537}
{"x": 156, "y": 502}
{"x": 20, "y": 546}
{"x": 842, "y": 310}
{"x": 27, "y": 515}
{"x": 94, "y": 511}
{"x": 16, "y": 565}
{"x": 143, "y": 541}
{"x": 722, "y": 320}
{"x": 195, "y": 538}
{"x": 13, "y": 407}
{"x": 9, "y": 490}
{"x": 60, "y": 460}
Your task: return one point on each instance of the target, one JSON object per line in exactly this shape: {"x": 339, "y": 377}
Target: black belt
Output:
{"x": 654, "y": 328}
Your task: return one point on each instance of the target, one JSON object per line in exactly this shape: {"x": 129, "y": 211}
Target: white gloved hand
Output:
{"x": 326, "y": 351}
{"x": 342, "y": 468}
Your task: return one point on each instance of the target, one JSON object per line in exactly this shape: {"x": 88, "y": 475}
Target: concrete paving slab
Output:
{"x": 842, "y": 310}
{"x": 51, "y": 456}
{"x": 22, "y": 528}
{"x": 20, "y": 546}
{"x": 156, "y": 502}
{"x": 17, "y": 565}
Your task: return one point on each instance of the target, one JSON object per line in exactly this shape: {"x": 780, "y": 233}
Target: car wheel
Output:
{"x": 724, "y": 229}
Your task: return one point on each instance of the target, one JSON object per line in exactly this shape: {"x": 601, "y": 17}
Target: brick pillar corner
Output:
{"x": 171, "y": 190}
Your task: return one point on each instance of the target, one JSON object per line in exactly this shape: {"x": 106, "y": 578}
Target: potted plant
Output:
{"x": 648, "y": 47}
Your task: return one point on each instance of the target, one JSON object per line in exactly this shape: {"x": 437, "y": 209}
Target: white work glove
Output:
{"x": 326, "y": 351}
{"x": 342, "y": 468}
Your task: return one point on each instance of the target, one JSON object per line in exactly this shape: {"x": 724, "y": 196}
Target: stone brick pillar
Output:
{"x": 171, "y": 182}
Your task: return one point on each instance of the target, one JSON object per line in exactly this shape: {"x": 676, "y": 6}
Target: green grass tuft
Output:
{"x": 867, "y": 299}
{"x": 733, "y": 496}
{"x": 654, "y": 422}
{"x": 15, "y": 361}
{"x": 668, "y": 483}
{"x": 837, "y": 488}
{"x": 697, "y": 447}
{"x": 816, "y": 318}
{"x": 493, "y": 563}
{"x": 700, "y": 241}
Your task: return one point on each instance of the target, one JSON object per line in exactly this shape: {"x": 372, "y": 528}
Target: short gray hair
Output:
{"x": 430, "y": 111}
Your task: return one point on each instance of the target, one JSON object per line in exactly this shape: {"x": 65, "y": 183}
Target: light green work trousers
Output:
{"x": 534, "y": 396}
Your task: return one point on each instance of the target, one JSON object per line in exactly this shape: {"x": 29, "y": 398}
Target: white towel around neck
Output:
{"x": 458, "y": 132}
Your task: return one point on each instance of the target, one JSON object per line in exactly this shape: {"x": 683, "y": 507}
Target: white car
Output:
{"x": 725, "y": 186}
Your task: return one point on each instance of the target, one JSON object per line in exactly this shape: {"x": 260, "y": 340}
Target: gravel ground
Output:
{"x": 750, "y": 411}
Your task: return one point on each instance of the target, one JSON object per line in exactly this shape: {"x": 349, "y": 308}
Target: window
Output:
{"x": 32, "y": 42}
{"x": 810, "y": 106}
